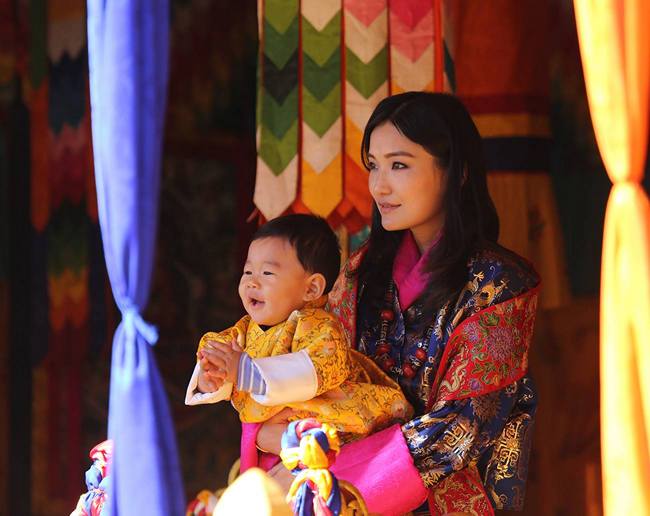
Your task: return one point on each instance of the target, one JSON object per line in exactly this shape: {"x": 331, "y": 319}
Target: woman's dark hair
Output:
{"x": 440, "y": 123}
{"x": 316, "y": 245}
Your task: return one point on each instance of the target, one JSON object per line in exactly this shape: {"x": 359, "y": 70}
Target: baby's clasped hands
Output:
{"x": 219, "y": 363}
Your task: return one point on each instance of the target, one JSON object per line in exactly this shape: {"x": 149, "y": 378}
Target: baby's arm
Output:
{"x": 322, "y": 338}
{"x": 319, "y": 362}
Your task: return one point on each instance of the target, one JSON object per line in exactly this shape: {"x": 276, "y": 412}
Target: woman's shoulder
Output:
{"x": 500, "y": 272}
{"x": 354, "y": 260}
{"x": 494, "y": 255}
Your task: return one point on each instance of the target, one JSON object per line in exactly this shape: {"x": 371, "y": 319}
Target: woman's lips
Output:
{"x": 386, "y": 207}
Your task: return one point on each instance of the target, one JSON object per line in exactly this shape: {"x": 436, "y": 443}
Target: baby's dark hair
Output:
{"x": 315, "y": 243}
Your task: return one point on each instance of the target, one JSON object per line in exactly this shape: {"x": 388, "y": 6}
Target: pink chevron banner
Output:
{"x": 324, "y": 66}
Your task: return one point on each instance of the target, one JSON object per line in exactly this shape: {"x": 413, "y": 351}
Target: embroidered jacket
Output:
{"x": 335, "y": 384}
{"x": 473, "y": 399}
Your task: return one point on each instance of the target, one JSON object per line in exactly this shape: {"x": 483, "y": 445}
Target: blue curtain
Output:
{"x": 128, "y": 64}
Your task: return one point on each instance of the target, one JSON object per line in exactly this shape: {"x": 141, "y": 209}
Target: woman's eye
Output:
{"x": 398, "y": 165}
{"x": 372, "y": 166}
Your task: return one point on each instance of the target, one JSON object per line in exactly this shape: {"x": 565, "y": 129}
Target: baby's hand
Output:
{"x": 211, "y": 378}
{"x": 223, "y": 357}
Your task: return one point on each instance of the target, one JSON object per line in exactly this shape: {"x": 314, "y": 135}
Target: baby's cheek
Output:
{"x": 240, "y": 290}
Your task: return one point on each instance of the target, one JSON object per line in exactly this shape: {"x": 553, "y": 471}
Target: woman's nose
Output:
{"x": 378, "y": 183}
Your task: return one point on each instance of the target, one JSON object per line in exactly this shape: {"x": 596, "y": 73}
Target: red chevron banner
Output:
{"x": 323, "y": 67}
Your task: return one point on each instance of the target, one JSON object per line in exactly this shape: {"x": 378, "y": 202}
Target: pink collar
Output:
{"x": 408, "y": 270}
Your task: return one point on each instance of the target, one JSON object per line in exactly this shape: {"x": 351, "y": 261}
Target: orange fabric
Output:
{"x": 615, "y": 49}
{"x": 488, "y": 60}
{"x": 356, "y": 187}
{"x": 503, "y": 78}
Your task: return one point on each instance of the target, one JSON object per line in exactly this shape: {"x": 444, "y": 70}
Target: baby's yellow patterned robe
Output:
{"x": 353, "y": 393}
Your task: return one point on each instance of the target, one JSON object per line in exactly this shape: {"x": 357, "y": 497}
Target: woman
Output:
{"x": 446, "y": 311}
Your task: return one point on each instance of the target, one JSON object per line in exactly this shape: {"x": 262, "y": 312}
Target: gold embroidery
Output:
{"x": 457, "y": 441}
{"x": 507, "y": 450}
{"x": 431, "y": 477}
{"x": 440, "y": 319}
{"x": 457, "y": 375}
{"x": 353, "y": 393}
{"x": 487, "y": 406}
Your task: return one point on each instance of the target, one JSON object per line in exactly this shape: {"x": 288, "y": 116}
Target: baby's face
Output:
{"x": 273, "y": 283}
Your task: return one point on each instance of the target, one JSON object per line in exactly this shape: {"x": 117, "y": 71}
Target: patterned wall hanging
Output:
{"x": 68, "y": 285}
{"x": 323, "y": 67}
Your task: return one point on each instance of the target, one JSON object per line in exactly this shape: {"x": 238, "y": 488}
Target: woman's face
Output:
{"x": 406, "y": 184}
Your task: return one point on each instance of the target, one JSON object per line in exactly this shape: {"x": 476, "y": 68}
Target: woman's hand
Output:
{"x": 282, "y": 476}
{"x": 269, "y": 438}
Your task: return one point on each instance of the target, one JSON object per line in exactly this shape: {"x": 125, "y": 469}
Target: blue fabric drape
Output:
{"x": 128, "y": 64}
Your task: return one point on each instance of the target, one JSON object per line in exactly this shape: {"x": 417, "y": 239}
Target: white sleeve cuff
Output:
{"x": 194, "y": 397}
{"x": 289, "y": 378}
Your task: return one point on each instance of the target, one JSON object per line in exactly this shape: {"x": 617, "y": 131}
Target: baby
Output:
{"x": 289, "y": 351}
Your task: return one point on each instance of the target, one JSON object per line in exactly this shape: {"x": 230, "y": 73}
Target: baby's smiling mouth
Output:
{"x": 255, "y": 303}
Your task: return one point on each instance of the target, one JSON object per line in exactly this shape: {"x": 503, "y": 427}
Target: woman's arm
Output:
{"x": 406, "y": 461}
{"x": 269, "y": 437}
{"x": 459, "y": 432}
{"x": 381, "y": 467}
{"x": 377, "y": 465}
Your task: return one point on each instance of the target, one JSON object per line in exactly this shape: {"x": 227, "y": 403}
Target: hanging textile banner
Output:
{"x": 366, "y": 83}
{"x": 413, "y": 35}
{"x": 320, "y": 94}
{"x": 323, "y": 67}
{"x": 277, "y": 107}
{"x": 67, "y": 275}
{"x": 615, "y": 50}
{"x": 326, "y": 64}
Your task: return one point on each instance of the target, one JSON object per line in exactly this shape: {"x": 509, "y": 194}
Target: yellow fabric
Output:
{"x": 506, "y": 124}
{"x": 321, "y": 478}
{"x": 615, "y": 49}
{"x": 268, "y": 499}
{"x": 353, "y": 394}
{"x": 322, "y": 190}
{"x": 309, "y": 452}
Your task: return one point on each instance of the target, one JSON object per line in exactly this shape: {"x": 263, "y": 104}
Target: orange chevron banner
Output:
{"x": 322, "y": 131}
{"x": 366, "y": 83}
{"x": 324, "y": 66}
